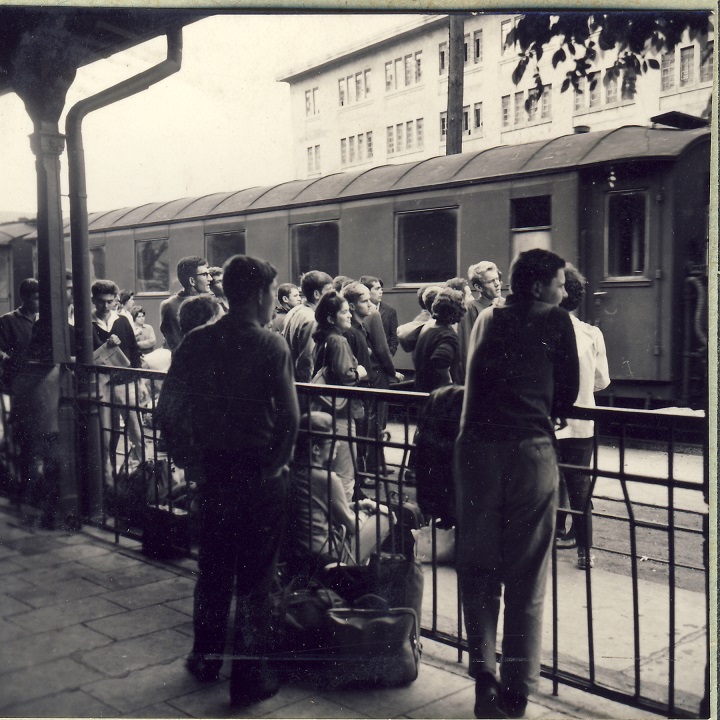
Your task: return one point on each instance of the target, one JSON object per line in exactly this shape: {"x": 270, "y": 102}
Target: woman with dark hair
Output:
{"x": 437, "y": 353}
{"x": 333, "y": 356}
{"x": 144, "y": 333}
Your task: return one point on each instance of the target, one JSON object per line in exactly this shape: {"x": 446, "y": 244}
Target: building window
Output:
{"x": 418, "y": 66}
{"x": 316, "y": 101}
{"x": 369, "y": 138}
{"x": 687, "y": 63}
{"x": 531, "y": 224}
{"x": 706, "y": 62}
{"x": 478, "y": 46}
{"x": 506, "y": 111}
{"x": 594, "y": 97}
{"x": 419, "y": 133}
{"x": 368, "y": 78}
{"x": 409, "y": 70}
{"x": 580, "y": 95}
{"x": 312, "y": 102}
{"x": 519, "y": 106}
{"x": 399, "y": 137}
{"x": 626, "y": 234}
{"x": 308, "y": 103}
{"x": 398, "y": 71}
{"x": 466, "y": 48}
{"x": 478, "y": 118}
{"x": 442, "y": 57}
{"x": 466, "y": 120}
{"x": 389, "y": 79}
{"x": 351, "y": 149}
{"x": 426, "y": 245}
{"x": 317, "y": 158}
{"x": 343, "y": 151}
{"x": 359, "y": 95}
{"x": 360, "y": 145}
{"x": 505, "y": 27}
{"x": 152, "y": 266}
{"x": 390, "y": 140}
{"x": 309, "y": 160}
{"x": 443, "y": 125}
{"x": 546, "y": 111}
{"x": 611, "y": 89}
{"x": 409, "y": 135}
{"x": 341, "y": 91}
{"x": 532, "y": 107}
{"x": 315, "y": 245}
{"x": 221, "y": 246}
{"x": 667, "y": 71}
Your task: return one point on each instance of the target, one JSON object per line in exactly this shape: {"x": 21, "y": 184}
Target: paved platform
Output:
{"x": 89, "y": 628}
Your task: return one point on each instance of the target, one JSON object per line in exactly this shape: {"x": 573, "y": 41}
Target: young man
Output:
{"x": 388, "y": 314}
{"x": 216, "y": 287}
{"x": 194, "y": 276}
{"x": 16, "y": 327}
{"x": 522, "y": 371}
{"x": 288, "y": 297}
{"x": 300, "y": 323}
{"x": 228, "y": 406}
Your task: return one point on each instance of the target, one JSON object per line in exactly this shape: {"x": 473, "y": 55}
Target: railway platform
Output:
{"x": 91, "y": 628}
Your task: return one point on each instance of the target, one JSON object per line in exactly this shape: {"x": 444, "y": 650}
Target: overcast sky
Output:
{"x": 221, "y": 123}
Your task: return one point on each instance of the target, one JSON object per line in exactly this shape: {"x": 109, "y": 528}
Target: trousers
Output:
{"x": 506, "y": 497}
{"x": 575, "y": 487}
{"x": 242, "y": 517}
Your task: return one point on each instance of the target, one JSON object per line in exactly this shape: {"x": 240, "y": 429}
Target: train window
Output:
{"x": 626, "y": 234}
{"x": 315, "y": 246}
{"x": 152, "y": 268}
{"x": 427, "y": 245}
{"x": 531, "y": 224}
{"x": 97, "y": 261}
{"x": 221, "y": 246}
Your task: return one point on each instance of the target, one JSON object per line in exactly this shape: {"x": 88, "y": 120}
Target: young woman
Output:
{"x": 334, "y": 358}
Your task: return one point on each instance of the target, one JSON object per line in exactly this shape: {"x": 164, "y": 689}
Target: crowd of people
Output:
{"x": 235, "y": 344}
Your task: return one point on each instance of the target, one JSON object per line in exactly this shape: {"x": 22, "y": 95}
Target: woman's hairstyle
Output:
{"x": 448, "y": 306}
{"x": 429, "y": 295}
{"x": 125, "y": 295}
{"x": 329, "y": 305}
{"x": 137, "y": 310}
{"x": 575, "y": 284}
{"x": 457, "y": 283}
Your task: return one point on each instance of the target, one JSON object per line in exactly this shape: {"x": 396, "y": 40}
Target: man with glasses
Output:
{"x": 486, "y": 284}
{"x": 194, "y": 276}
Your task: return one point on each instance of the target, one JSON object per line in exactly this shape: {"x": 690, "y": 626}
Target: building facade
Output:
{"x": 386, "y": 101}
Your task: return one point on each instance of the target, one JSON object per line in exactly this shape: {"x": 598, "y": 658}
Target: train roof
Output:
{"x": 567, "y": 152}
{"x": 10, "y": 231}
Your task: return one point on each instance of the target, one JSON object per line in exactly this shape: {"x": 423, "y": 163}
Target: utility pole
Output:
{"x": 456, "y": 71}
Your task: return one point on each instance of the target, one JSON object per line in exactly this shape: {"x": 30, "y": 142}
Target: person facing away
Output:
{"x": 575, "y": 438}
{"x": 197, "y": 311}
{"x": 229, "y": 405}
{"x": 288, "y": 296}
{"x": 522, "y": 369}
{"x": 216, "y": 287}
{"x": 194, "y": 276}
{"x": 300, "y": 323}
{"x": 437, "y": 354}
{"x": 16, "y": 329}
{"x": 388, "y": 314}
{"x": 486, "y": 285}
{"x": 409, "y": 332}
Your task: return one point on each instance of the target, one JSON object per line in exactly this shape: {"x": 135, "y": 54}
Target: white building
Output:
{"x": 386, "y": 101}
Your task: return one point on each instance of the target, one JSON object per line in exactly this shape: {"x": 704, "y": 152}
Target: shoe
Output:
{"x": 582, "y": 561}
{"x": 202, "y": 669}
{"x": 565, "y": 542}
{"x": 487, "y": 697}
{"x": 253, "y": 684}
{"x": 409, "y": 478}
{"x": 513, "y": 703}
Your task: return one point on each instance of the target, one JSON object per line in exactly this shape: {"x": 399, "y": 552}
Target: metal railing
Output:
{"x": 633, "y": 628}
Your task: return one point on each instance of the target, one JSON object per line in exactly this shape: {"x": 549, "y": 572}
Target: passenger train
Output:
{"x": 629, "y": 207}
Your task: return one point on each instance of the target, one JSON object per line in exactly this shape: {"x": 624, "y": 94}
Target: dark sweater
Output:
{"x": 436, "y": 352}
{"x": 128, "y": 342}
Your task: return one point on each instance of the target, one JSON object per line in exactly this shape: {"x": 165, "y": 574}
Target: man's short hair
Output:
{"x": 370, "y": 280}
{"x": 340, "y": 281}
{"x": 104, "y": 287}
{"x": 187, "y": 267}
{"x": 476, "y": 272}
{"x": 312, "y": 424}
{"x": 314, "y": 280}
{"x": 196, "y": 311}
{"x": 353, "y": 291}
{"x": 284, "y": 290}
{"x": 125, "y": 295}
{"x": 575, "y": 284}
{"x": 457, "y": 283}
{"x": 28, "y": 287}
{"x": 429, "y": 295}
{"x": 215, "y": 271}
{"x": 532, "y": 266}
{"x": 244, "y": 276}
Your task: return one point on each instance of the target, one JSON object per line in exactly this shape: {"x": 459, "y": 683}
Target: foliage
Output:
{"x": 638, "y": 39}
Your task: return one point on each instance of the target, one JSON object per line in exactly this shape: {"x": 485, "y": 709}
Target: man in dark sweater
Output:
{"x": 522, "y": 370}
{"x": 16, "y": 330}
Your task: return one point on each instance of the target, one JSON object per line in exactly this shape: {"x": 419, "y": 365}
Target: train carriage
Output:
{"x": 629, "y": 207}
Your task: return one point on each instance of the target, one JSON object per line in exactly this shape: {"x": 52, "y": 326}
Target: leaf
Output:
{"x": 654, "y": 64}
{"x": 571, "y": 48}
{"x": 565, "y": 85}
{"x": 558, "y": 57}
{"x": 519, "y": 71}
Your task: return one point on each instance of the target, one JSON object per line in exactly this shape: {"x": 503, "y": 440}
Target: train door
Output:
{"x": 624, "y": 265}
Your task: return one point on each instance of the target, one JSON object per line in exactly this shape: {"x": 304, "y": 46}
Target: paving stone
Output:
{"x": 42, "y": 680}
{"x": 8, "y": 566}
{"x": 128, "y": 577}
{"x": 6, "y": 552}
{"x": 11, "y": 606}
{"x": 143, "y": 688}
{"x": 11, "y": 531}
{"x": 73, "y": 538}
{"x": 314, "y": 707}
{"x": 43, "y": 576}
{"x": 67, "y": 613}
{"x": 154, "y": 593}
{"x": 138, "y": 622}
{"x": 184, "y": 606}
{"x": 70, "y": 704}
{"x": 456, "y": 705}
{"x": 12, "y": 583}
{"x": 81, "y": 551}
{"x": 38, "y": 597}
{"x": 9, "y": 631}
{"x": 110, "y": 561}
{"x": 186, "y": 629}
{"x": 119, "y": 658}
{"x": 34, "y": 544}
{"x": 158, "y": 710}
{"x": 40, "y": 648}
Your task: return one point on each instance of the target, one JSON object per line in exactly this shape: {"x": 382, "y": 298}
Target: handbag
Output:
{"x": 329, "y": 402}
{"x": 444, "y": 544}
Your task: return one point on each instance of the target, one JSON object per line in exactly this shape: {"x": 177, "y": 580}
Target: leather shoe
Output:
{"x": 565, "y": 542}
{"x": 202, "y": 669}
{"x": 487, "y": 697}
{"x": 513, "y": 703}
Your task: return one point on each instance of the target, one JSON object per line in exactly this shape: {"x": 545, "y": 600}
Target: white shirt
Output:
{"x": 594, "y": 376}
{"x": 106, "y": 325}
